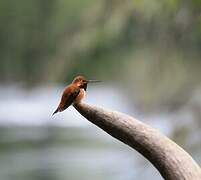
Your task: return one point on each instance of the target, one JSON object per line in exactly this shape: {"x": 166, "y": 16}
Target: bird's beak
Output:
{"x": 93, "y": 81}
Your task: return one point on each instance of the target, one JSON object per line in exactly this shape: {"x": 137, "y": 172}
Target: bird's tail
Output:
{"x": 57, "y": 110}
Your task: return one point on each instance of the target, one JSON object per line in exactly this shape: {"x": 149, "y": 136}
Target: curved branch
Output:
{"x": 171, "y": 160}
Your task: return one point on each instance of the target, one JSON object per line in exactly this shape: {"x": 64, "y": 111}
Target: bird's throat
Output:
{"x": 80, "y": 96}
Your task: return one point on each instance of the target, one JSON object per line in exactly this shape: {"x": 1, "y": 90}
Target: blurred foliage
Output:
{"x": 152, "y": 47}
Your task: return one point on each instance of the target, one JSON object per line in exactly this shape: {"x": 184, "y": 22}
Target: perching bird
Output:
{"x": 73, "y": 93}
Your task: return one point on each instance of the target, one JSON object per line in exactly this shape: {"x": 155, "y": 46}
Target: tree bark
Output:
{"x": 171, "y": 160}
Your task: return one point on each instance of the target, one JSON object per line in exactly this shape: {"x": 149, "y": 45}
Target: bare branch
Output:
{"x": 171, "y": 160}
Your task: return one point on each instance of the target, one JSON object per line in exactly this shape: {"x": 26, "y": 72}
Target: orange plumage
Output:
{"x": 73, "y": 93}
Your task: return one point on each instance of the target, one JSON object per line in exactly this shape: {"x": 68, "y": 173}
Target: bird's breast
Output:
{"x": 80, "y": 96}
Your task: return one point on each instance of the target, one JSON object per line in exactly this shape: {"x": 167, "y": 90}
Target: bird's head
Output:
{"x": 82, "y": 82}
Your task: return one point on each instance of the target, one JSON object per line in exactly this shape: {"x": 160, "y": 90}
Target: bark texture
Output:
{"x": 171, "y": 160}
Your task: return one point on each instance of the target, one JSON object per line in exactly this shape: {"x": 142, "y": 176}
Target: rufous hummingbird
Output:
{"x": 73, "y": 93}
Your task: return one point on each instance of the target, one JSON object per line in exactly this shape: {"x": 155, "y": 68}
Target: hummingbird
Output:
{"x": 73, "y": 93}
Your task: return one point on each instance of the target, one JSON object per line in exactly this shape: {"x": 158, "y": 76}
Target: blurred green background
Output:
{"x": 148, "y": 56}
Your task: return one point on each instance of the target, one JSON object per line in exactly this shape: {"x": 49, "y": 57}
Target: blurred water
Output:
{"x": 35, "y": 107}
{"x": 34, "y": 145}
{"x": 67, "y": 153}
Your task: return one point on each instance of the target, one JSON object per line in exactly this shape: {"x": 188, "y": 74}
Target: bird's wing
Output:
{"x": 68, "y": 97}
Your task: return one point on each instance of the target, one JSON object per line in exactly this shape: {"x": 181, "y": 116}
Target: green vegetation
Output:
{"x": 150, "y": 46}
{"x": 153, "y": 48}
